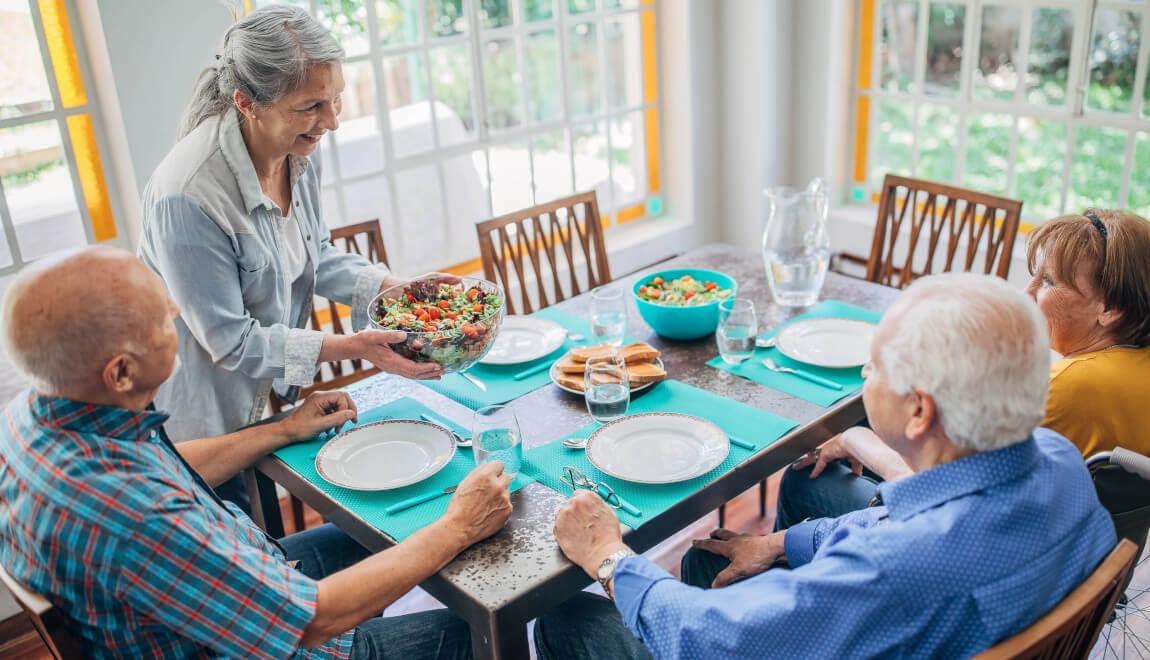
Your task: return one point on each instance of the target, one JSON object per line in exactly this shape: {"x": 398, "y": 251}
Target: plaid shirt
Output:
{"x": 100, "y": 515}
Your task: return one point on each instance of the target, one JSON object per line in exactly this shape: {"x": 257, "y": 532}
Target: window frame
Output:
{"x": 646, "y": 203}
{"x": 1074, "y": 114}
{"x": 92, "y": 189}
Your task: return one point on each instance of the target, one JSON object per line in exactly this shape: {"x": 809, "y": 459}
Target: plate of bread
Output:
{"x": 644, "y": 367}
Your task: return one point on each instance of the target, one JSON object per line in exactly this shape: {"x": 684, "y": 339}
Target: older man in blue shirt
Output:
{"x": 998, "y": 524}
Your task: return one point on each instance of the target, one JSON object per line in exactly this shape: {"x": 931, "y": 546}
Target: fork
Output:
{"x": 805, "y": 375}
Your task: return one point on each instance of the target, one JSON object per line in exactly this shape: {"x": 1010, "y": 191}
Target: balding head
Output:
{"x": 978, "y": 347}
{"x": 66, "y": 318}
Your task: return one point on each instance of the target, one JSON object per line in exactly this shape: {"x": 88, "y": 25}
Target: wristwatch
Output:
{"x": 606, "y": 570}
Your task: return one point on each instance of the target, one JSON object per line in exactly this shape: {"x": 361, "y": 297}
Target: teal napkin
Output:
{"x": 500, "y": 379}
{"x": 545, "y": 463}
{"x": 371, "y": 506}
{"x": 851, "y": 379}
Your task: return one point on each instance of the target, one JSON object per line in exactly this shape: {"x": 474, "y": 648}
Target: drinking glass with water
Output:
{"x": 495, "y": 436}
{"x": 796, "y": 247}
{"x": 608, "y": 315}
{"x": 738, "y": 327}
{"x": 606, "y": 387}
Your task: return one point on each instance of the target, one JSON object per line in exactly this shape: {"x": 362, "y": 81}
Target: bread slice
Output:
{"x": 638, "y": 375}
{"x": 637, "y": 352}
{"x": 644, "y": 372}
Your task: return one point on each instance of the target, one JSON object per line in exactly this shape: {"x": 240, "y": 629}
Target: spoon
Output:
{"x": 765, "y": 343}
{"x": 575, "y": 337}
{"x": 575, "y": 443}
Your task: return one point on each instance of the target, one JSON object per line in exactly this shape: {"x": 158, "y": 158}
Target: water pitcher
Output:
{"x": 796, "y": 248}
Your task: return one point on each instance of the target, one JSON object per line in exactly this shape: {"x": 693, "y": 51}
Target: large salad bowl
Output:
{"x": 450, "y": 322}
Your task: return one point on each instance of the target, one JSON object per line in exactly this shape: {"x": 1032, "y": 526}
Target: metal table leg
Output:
{"x": 498, "y": 638}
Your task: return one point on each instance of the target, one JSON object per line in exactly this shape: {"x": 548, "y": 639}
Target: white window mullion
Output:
{"x": 601, "y": 54}
{"x": 383, "y": 113}
{"x": 1071, "y": 136}
{"x": 1127, "y": 167}
{"x": 971, "y": 42}
{"x": 1136, "y": 107}
{"x": 1079, "y": 77}
{"x": 560, "y": 9}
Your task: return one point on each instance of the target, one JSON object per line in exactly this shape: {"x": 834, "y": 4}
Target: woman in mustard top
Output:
{"x": 1092, "y": 283}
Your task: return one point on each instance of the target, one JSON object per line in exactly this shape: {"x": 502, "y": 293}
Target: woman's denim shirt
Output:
{"x": 218, "y": 243}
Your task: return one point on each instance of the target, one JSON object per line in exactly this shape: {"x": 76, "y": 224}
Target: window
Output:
{"x": 459, "y": 110}
{"x": 1041, "y": 100}
{"x": 53, "y": 193}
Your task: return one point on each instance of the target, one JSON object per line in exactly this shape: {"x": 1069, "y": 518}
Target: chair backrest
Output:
{"x": 1072, "y": 627}
{"x": 934, "y": 215}
{"x": 49, "y": 622}
{"x": 534, "y": 246}
{"x": 366, "y": 240}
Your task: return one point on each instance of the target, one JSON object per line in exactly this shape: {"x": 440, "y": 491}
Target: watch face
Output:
{"x": 606, "y": 568}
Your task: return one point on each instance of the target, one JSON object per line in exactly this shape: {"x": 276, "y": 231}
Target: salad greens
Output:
{"x": 684, "y": 291}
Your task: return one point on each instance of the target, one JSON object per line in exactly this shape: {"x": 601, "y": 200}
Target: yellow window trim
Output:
{"x": 62, "y": 52}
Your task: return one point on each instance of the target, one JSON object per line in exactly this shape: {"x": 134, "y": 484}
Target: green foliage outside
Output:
{"x": 1098, "y": 153}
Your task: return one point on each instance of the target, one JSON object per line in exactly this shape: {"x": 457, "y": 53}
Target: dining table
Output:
{"x": 500, "y": 584}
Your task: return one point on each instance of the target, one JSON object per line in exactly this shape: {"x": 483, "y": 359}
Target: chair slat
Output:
{"x": 553, "y": 238}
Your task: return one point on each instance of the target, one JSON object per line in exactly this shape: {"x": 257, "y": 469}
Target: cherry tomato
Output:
{"x": 472, "y": 294}
{"x": 444, "y": 304}
{"x": 410, "y": 298}
{"x": 477, "y": 308}
{"x": 642, "y": 290}
{"x": 710, "y": 286}
{"x": 452, "y": 315}
{"x": 429, "y": 327}
{"x": 658, "y": 281}
{"x": 655, "y": 293}
{"x": 688, "y": 295}
{"x": 433, "y": 313}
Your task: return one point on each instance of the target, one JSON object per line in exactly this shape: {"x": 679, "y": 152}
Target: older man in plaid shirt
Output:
{"x": 120, "y": 529}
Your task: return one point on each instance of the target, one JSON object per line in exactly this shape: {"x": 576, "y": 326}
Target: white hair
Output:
{"x": 265, "y": 56}
{"x": 979, "y": 347}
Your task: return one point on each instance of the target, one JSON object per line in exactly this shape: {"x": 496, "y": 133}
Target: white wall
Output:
{"x": 156, "y": 49}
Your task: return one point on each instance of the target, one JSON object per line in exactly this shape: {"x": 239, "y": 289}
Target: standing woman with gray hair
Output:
{"x": 233, "y": 226}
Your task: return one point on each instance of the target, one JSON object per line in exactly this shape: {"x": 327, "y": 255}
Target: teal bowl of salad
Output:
{"x": 451, "y": 323}
{"x": 683, "y": 303}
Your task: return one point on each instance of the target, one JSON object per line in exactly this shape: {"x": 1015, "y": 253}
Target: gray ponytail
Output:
{"x": 265, "y": 56}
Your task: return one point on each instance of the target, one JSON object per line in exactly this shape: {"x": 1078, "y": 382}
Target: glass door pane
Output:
{"x": 24, "y": 86}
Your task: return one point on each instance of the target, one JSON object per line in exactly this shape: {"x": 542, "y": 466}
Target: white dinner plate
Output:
{"x": 658, "y": 448}
{"x": 835, "y": 343}
{"x": 385, "y": 455}
{"x": 554, "y": 373}
{"x": 523, "y": 339}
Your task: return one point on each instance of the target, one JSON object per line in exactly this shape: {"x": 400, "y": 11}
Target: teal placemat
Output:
{"x": 850, "y": 379}
{"x": 758, "y": 427}
{"x": 370, "y": 506}
{"x": 500, "y": 379}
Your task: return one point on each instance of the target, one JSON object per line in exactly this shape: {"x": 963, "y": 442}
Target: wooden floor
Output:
{"x": 19, "y": 642}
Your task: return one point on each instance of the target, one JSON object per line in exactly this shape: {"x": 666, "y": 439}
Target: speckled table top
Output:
{"x": 524, "y": 555}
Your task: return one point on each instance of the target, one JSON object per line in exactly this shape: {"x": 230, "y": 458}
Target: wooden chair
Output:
{"x": 937, "y": 215}
{"x": 1072, "y": 627}
{"x": 49, "y": 622}
{"x": 364, "y": 239}
{"x": 542, "y": 242}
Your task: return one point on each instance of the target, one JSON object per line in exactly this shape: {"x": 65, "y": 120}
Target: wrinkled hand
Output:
{"x": 319, "y": 412}
{"x": 830, "y": 451}
{"x": 375, "y": 346}
{"x": 749, "y": 554}
{"x": 482, "y": 502}
{"x": 587, "y": 531}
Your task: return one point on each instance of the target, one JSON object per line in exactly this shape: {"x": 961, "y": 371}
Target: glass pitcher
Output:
{"x": 796, "y": 248}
